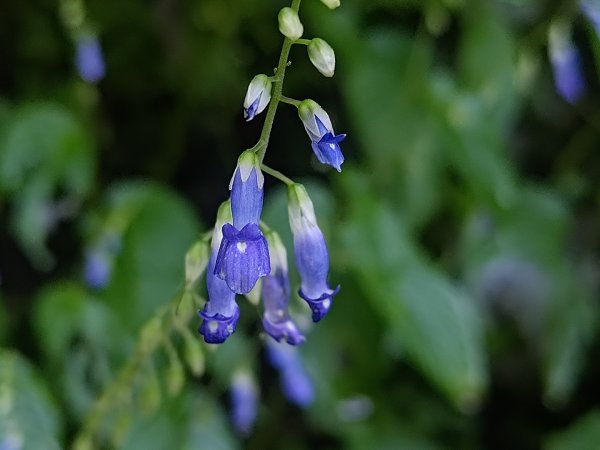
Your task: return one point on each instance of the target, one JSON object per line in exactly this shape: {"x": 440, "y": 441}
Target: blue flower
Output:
{"x": 566, "y": 63}
{"x": 324, "y": 142}
{"x": 243, "y": 255}
{"x": 295, "y": 382}
{"x": 276, "y": 294}
{"x": 88, "y": 59}
{"x": 258, "y": 96}
{"x": 591, "y": 9}
{"x": 221, "y": 312}
{"x": 312, "y": 258}
{"x": 244, "y": 402}
{"x": 98, "y": 269}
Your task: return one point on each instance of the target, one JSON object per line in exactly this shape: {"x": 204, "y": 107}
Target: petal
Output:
{"x": 246, "y": 199}
{"x": 217, "y": 328}
{"x": 252, "y": 110}
{"x": 320, "y": 306}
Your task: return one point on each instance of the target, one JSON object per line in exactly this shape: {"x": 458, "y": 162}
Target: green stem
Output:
{"x": 277, "y": 174}
{"x": 289, "y": 101}
{"x": 276, "y": 92}
{"x": 302, "y": 41}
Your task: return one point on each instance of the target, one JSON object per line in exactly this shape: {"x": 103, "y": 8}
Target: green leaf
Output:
{"x": 43, "y": 150}
{"x": 435, "y": 322}
{"x": 158, "y": 228}
{"x": 28, "y": 418}
{"x": 584, "y": 434}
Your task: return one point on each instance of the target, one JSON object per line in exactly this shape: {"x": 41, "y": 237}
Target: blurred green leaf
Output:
{"x": 158, "y": 228}
{"x": 29, "y": 419}
{"x": 436, "y": 323}
{"x": 82, "y": 341}
{"x": 44, "y": 152}
{"x": 584, "y": 434}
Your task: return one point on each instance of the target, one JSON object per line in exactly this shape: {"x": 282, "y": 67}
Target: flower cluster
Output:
{"x": 243, "y": 249}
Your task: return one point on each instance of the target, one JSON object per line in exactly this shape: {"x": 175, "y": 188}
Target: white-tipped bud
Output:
{"x": 289, "y": 24}
{"x": 258, "y": 96}
{"x": 331, "y": 4}
{"x": 322, "y": 56}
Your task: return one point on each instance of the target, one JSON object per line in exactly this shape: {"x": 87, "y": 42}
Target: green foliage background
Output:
{"x": 464, "y": 227}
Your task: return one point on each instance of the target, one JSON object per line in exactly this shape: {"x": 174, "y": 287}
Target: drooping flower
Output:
{"x": 289, "y": 23}
{"x": 244, "y": 256}
{"x": 258, "y": 96}
{"x": 566, "y": 63}
{"x": 295, "y": 382}
{"x": 322, "y": 56}
{"x": 276, "y": 294}
{"x": 88, "y": 58}
{"x": 324, "y": 142}
{"x": 244, "y": 401}
{"x": 221, "y": 312}
{"x": 312, "y": 258}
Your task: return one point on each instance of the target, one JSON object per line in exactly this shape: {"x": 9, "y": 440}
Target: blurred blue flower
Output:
{"x": 244, "y": 402}
{"x": 566, "y": 63}
{"x": 295, "y": 382}
{"x": 88, "y": 58}
{"x": 591, "y": 9}
{"x": 324, "y": 142}
{"x": 243, "y": 255}
{"x": 276, "y": 294}
{"x": 221, "y": 312}
{"x": 312, "y": 257}
{"x": 97, "y": 268}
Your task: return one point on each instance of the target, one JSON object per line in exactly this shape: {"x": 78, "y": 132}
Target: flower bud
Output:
{"x": 258, "y": 96}
{"x": 331, "y": 4}
{"x": 289, "y": 24}
{"x": 322, "y": 56}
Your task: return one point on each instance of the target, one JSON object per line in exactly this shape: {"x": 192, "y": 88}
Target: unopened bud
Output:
{"x": 289, "y": 24}
{"x": 322, "y": 56}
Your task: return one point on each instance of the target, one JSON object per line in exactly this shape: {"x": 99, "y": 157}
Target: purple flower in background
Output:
{"x": 97, "y": 269}
{"x": 221, "y": 312}
{"x": 324, "y": 142}
{"x": 244, "y": 402}
{"x": 295, "y": 382}
{"x": 312, "y": 257}
{"x": 88, "y": 58}
{"x": 591, "y": 9}
{"x": 243, "y": 255}
{"x": 566, "y": 63}
{"x": 276, "y": 294}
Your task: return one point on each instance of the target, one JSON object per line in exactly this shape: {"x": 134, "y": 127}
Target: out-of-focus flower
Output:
{"x": 566, "y": 63}
{"x": 324, "y": 142}
{"x": 88, "y": 58}
{"x": 312, "y": 258}
{"x": 276, "y": 294}
{"x": 221, "y": 312}
{"x": 244, "y": 256}
{"x": 331, "y": 4}
{"x": 591, "y": 9}
{"x": 295, "y": 382}
{"x": 244, "y": 401}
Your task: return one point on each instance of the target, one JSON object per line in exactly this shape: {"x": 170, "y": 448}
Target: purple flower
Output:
{"x": 312, "y": 258}
{"x": 221, "y": 312}
{"x": 324, "y": 142}
{"x": 88, "y": 59}
{"x": 244, "y": 402}
{"x": 276, "y": 294}
{"x": 98, "y": 269}
{"x": 295, "y": 382}
{"x": 243, "y": 256}
{"x": 566, "y": 63}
